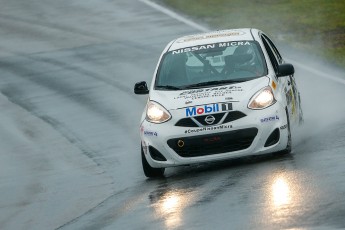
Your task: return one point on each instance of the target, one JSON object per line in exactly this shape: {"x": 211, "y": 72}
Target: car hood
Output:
{"x": 239, "y": 92}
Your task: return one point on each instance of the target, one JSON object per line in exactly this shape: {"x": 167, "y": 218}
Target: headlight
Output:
{"x": 156, "y": 113}
{"x": 262, "y": 99}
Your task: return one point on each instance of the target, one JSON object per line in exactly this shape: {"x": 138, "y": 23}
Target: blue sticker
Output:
{"x": 151, "y": 133}
{"x": 269, "y": 119}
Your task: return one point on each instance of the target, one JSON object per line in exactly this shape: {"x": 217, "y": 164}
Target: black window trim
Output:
{"x": 270, "y": 53}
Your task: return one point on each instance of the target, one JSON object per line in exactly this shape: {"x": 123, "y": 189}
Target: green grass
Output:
{"x": 317, "y": 26}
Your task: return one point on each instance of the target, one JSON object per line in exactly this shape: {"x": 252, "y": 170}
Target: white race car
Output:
{"x": 215, "y": 96}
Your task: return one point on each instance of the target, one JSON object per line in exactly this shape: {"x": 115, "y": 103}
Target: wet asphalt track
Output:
{"x": 70, "y": 145}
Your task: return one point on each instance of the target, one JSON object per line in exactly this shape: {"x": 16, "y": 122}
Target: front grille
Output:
{"x": 186, "y": 122}
{"x": 216, "y": 143}
{"x": 230, "y": 116}
{"x": 217, "y": 117}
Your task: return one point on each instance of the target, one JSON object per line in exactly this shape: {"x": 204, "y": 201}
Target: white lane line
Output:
{"x": 205, "y": 29}
{"x": 175, "y": 15}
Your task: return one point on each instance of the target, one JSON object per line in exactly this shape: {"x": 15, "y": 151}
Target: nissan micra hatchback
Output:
{"x": 216, "y": 96}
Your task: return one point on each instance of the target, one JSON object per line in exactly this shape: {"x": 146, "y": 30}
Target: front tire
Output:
{"x": 148, "y": 170}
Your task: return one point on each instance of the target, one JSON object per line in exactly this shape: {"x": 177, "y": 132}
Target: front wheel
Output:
{"x": 148, "y": 170}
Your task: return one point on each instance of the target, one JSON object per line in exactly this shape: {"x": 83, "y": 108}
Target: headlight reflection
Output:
{"x": 169, "y": 206}
{"x": 286, "y": 196}
{"x": 281, "y": 193}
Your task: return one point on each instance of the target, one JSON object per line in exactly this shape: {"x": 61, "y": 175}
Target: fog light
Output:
{"x": 180, "y": 143}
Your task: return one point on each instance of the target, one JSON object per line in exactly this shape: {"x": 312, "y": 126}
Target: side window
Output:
{"x": 274, "y": 49}
{"x": 271, "y": 53}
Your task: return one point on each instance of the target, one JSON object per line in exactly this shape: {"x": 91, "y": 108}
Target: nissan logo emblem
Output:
{"x": 210, "y": 119}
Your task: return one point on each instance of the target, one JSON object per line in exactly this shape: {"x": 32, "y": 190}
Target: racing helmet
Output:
{"x": 245, "y": 56}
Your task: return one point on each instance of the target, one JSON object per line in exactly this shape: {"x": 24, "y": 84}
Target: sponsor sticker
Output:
{"x": 274, "y": 85}
{"x": 195, "y": 38}
{"x": 209, "y": 92}
{"x": 206, "y": 109}
{"x": 291, "y": 101}
{"x": 211, "y": 140}
{"x": 269, "y": 119}
{"x": 211, "y": 46}
{"x": 204, "y": 129}
{"x": 283, "y": 127}
{"x": 150, "y": 133}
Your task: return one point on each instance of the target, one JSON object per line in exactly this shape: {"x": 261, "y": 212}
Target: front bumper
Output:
{"x": 259, "y": 132}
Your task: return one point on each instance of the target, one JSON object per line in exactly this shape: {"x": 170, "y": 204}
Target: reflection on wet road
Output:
{"x": 281, "y": 194}
{"x": 285, "y": 197}
{"x": 170, "y": 206}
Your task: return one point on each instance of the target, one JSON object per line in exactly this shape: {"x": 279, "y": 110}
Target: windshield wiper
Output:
{"x": 169, "y": 87}
{"x": 209, "y": 83}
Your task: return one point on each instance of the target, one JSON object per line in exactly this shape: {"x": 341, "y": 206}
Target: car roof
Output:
{"x": 244, "y": 34}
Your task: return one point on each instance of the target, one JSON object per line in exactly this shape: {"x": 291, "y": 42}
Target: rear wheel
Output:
{"x": 148, "y": 170}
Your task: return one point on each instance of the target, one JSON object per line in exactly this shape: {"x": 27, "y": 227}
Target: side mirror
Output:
{"x": 141, "y": 88}
{"x": 285, "y": 70}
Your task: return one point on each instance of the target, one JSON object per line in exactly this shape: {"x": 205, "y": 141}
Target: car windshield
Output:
{"x": 210, "y": 64}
